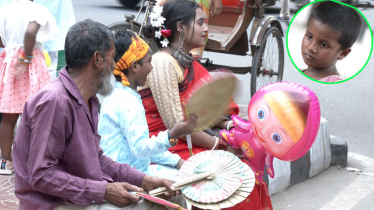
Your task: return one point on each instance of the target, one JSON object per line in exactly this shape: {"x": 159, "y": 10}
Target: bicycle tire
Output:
{"x": 129, "y": 3}
{"x": 260, "y": 66}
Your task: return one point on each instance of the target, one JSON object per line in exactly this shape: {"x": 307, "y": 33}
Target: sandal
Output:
{"x": 6, "y": 169}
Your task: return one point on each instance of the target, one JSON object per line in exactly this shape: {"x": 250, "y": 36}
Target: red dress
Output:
{"x": 259, "y": 198}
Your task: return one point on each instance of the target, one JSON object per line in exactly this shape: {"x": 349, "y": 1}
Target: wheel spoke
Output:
{"x": 268, "y": 72}
{"x": 268, "y": 60}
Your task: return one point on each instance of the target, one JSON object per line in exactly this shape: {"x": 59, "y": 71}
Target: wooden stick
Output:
{"x": 189, "y": 141}
{"x": 184, "y": 182}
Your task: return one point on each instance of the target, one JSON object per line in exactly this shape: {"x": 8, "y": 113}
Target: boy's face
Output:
{"x": 320, "y": 47}
{"x": 144, "y": 70}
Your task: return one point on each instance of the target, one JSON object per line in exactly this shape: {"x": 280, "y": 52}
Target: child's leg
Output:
{"x": 285, "y": 9}
{"x": 7, "y": 126}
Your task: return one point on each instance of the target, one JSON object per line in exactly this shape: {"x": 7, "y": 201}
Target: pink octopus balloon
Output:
{"x": 283, "y": 122}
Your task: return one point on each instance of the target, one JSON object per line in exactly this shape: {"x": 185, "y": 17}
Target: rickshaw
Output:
{"x": 228, "y": 34}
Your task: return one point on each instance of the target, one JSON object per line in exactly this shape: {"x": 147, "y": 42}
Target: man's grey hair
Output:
{"x": 83, "y": 40}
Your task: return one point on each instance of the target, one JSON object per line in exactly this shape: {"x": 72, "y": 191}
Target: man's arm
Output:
{"x": 46, "y": 148}
{"x": 120, "y": 172}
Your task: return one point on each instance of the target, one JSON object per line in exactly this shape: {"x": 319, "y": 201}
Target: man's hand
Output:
{"x": 215, "y": 8}
{"x": 151, "y": 183}
{"x": 180, "y": 163}
{"x": 118, "y": 193}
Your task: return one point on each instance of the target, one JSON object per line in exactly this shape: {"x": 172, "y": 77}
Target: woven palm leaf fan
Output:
{"x": 211, "y": 97}
{"x": 224, "y": 180}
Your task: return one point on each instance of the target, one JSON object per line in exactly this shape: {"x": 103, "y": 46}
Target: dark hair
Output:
{"x": 122, "y": 44}
{"x": 83, "y": 40}
{"x": 342, "y": 19}
{"x": 173, "y": 12}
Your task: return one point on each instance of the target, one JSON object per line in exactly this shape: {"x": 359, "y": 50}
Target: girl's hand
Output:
{"x": 180, "y": 163}
{"x": 19, "y": 69}
{"x": 215, "y": 8}
{"x": 236, "y": 152}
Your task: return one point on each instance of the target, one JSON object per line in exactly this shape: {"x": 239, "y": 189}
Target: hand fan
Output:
{"x": 210, "y": 99}
{"x": 238, "y": 196}
{"x": 231, "y": 183}
{"x": 184, "y": 182}
{"x": 160, "y": 201}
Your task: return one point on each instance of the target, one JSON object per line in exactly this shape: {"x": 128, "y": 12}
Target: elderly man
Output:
{"x": 57, "y": 157}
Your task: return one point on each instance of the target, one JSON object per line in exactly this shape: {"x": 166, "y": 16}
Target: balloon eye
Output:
{"x": 261, "y": 114}
{"x": 276, "y": 138}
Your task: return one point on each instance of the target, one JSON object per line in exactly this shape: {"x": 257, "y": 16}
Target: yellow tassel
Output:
{"x": 125, "y": 81}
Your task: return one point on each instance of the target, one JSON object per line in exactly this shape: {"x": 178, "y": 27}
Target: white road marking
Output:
{"x": 357, "y": 190}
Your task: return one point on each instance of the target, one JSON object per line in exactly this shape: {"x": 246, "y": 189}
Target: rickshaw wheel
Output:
{"x": 136, "y": 28}
{"x": 268, "y": 60}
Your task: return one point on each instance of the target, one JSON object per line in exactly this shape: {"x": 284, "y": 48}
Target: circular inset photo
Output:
{"x": 329, "y": 41}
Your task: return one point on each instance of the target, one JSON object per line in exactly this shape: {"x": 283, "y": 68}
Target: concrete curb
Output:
{"x": 339, "y": 151}
{"x": 316, "y": 160}
{"x": 311, "y": 164}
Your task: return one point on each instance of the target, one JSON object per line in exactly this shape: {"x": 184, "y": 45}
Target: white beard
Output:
{"x": 107, "y": 85}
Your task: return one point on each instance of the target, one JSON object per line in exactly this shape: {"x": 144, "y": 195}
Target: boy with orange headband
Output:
{"x": 123, "y": 126}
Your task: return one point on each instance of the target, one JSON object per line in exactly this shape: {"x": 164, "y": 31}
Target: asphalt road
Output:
{"x": 347, "y": 106}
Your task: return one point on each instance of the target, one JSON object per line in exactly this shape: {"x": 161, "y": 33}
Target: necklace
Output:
{"x": 183, "y": 58}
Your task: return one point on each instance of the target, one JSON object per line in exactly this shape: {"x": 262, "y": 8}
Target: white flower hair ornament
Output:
{"x": 157, "y": 21}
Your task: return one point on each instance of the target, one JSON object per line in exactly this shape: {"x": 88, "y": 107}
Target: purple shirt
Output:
{"x": 56, "y": 151}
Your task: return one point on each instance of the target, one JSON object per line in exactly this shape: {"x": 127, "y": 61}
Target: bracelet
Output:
{"x": 215, "y": 144}
{"x": 228, "y": 125}
{"x": 23, "y": 60}
{"x": 23, "y": 54}
{"x": 25, "y": 64}
{"x": 222, "y": 145}
{"x": 172, "y": 141}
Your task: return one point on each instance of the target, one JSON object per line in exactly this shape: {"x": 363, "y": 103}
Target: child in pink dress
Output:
{"x": 24, "y": 26}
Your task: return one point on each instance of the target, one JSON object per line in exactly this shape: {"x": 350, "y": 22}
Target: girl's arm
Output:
{"x": 202, "y": 139}
{"x": 163, "y": 82}
{"x": 23, "y": 62}
{"x": 1, "y": 43}
{"x": 30, "y": 37}
{"x": 215, "y": 7}
{"x": 223, "y": 124}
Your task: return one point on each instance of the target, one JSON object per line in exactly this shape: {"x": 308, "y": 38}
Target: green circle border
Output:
{"x": 367, "y": 22}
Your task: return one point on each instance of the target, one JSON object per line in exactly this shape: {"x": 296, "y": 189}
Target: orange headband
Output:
{"x": 137, "y": 50}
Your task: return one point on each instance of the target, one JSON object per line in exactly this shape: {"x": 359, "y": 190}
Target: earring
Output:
{"x": 182, "y": 38}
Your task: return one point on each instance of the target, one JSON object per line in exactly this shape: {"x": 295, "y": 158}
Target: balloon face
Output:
{"x": 269, "y": 131}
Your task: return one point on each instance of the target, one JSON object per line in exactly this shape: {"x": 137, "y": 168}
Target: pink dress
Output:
{"x": 333, "y": 78}
{"x": 16, "y": 90}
